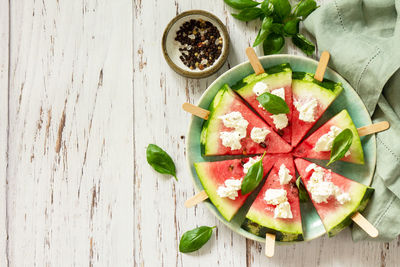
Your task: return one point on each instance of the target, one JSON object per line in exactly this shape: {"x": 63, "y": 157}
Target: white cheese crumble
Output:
{"x": 233, "y": 120}
{"x": 260, "y": 88}
{"x": 275, "y": 196}
{"x": 280, "y": 121}
{"x": 325, "y": 142}
{"x": 322, "y": 189}
{"x": 258, "y": 134}
{"x": 230, "y": 189}
{"x": 284, "y": 175}
{"x": 279, "y": 92}
{"x": 283, "y": 211}
{"x": 250, "y": 163}
{"x": 306, "y": 109}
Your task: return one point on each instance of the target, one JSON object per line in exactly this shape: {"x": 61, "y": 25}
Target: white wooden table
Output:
{"x": 83, "y": 90}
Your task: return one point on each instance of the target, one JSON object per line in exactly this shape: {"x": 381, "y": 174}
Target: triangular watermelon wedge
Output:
{"x": 309, "y": 149}
{"x": 306, "y": 92}
{"x": 260, "y": 218}
{"x": 226, "y": 102}
{"x": 335, "y": 216}
{"x": 212, "y": 175}
{"x": 274, "y": 78}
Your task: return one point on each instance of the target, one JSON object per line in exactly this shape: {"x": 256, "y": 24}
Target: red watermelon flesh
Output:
{"x": 335, "y": 216}
{"x": 342, "y": 120}
{"x": 214, "y": 174}
{"x": 260, "y": 218}
{"x": 225, "y": 102}
{"x": 274, "y": 81}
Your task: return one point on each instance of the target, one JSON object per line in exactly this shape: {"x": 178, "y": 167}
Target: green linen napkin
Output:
{"x": 363, "y": 37}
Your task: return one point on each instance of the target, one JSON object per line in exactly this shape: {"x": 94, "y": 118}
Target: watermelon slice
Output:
{"x": 276, "y": 77}
{"x": 227, "y": 102}
{"x": 214, "y": 174}
{"x": 342, "y": 121}
{"x": 260, "y": 218}
{"x": 335, "y": 216}
{"x": 307, "y": 93}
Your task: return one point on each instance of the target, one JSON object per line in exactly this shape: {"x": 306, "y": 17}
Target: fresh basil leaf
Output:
{"x": 273, "y": 104}
{"x": 248, "y": 14}
{"x": 304, "y": 8}
{"x": 282, "y": 8}
{"x": 273, "y": 44}
{"x": 305, "y": 45}
{"x": 194, "y": 239}
{"x": 240, "y": 4}
{"x": 303, "y": 195}
{"x": 277, "y": 28}
{"x": 267, "y": 7}
{"x": 341, "y": 145}
{"x": 160, "y": 160}
{"x": 264, "y": 31}
{"x": 253, "y": 177}
{"x": 291, "y": 27}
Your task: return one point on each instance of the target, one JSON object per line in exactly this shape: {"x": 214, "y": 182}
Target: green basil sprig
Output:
{"x": 194, "y": 239}
{"x": 160, "y": 160}
{"x": 341, "y": 145}
{"x": 303, "y": 195}
{"x": 279, "y": 20}
{"x": 273, "y": 104}
{"x": 253, "y": 177}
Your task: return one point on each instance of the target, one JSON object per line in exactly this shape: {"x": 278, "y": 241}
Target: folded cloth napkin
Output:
{"x": 363, "y": 37}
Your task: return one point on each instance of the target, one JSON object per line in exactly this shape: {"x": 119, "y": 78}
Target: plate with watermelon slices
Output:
{"x": 240, "y": 130}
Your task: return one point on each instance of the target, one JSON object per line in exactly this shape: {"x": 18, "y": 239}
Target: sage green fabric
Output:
{"x": 363, "y": 38}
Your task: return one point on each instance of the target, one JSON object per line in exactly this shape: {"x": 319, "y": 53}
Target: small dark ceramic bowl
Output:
{"x": 171, "y": 51}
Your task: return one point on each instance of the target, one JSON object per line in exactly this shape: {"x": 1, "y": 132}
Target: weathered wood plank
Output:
{"x": 70, "y": 171}
{"x": 4, "y": 51}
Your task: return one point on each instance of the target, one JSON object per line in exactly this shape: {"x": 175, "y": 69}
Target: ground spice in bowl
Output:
{"x": 200, "y": 43}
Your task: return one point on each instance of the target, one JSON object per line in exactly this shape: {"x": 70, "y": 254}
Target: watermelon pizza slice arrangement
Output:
{"x": 238, "y": 126}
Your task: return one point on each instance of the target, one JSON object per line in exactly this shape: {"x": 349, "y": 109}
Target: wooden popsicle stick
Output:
{"x": 196, "y": 199}
{"x": 195, "y": 110}
{"x": 373, "y": 128}
{"x": 365, "y": 224}
{"x": 254, "y": 61}
{"x": 269, "y": 245}
{"x": 322, "y": 64}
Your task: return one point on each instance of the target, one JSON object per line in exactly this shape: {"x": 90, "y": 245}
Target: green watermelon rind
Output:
{"x": 335, "y": 87}
{"x": 272, "y": 72}
{"x": 280, "y": 234}
{"x": 224, "y": 209}
{"x": 347, "y": 221}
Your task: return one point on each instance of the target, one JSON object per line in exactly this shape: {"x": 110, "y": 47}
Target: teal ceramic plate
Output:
{"x": 348, "y": 99}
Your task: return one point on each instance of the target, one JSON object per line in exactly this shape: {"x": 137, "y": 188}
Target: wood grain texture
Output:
{"x": 4, "y": 52}
{"x": 70, "y": 187}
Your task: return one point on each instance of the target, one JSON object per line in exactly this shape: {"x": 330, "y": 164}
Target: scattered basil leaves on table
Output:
{"x": 273, "y": 104}
{"x": 279, "y": 20}
{"x": 303, "y": 195}
{"x": 194, "y": 239}
{"x": 253, "y": 177}
{"x": 341, "y": 145}
{"x": 160, "y": 160}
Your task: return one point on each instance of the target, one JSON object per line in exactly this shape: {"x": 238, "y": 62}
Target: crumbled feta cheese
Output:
{"x": 234, "y": 120}
{"x": 232, "y": 139}
{"x": 279, "y": 92}
{"x": 343, "y": 198}
{"x": 250, "y": 163}
{"x": 311, "y": 167}
{"x": 260, "y": 88}
{"x": 284, "y": 175}
{"x": 348, "y": 153}
{"x": 230, "y": 189}
{"x": 258, "y": 134}
{"x": 306, "y": 109}
{"x": 325, "y": 142}
{"x": 280, "y": 121}
{"x": 275, "y": 196}
{"x": 283, "y": 211}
